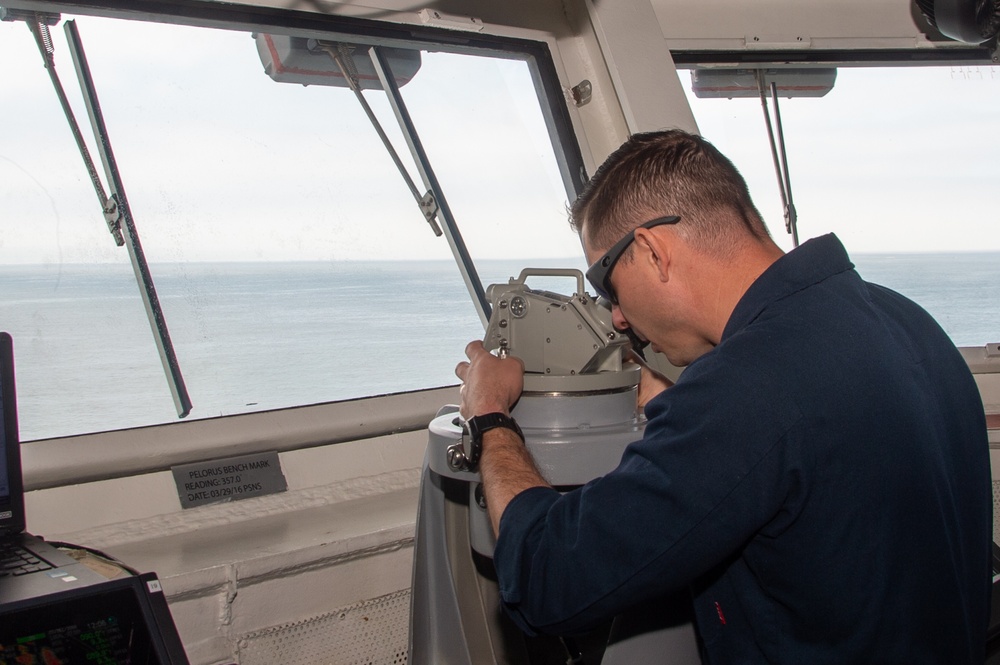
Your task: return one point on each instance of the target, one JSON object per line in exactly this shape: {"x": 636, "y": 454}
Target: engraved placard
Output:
{"x": 229, "y": 479}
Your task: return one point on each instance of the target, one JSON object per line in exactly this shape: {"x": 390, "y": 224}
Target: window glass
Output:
{"x": 291, "y": 261}
{"x": 901, "y": 164}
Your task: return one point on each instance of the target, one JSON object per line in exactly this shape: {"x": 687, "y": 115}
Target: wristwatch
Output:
{"x": 479, "y": 425}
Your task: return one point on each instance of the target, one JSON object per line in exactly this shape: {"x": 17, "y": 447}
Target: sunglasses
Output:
{"x": 599, "y": 274}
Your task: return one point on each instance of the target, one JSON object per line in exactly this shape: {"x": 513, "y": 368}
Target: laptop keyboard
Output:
{"x": 15, "y": 560}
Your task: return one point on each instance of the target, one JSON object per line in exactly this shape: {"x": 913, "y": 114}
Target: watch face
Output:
{"x": 478, "y": 425}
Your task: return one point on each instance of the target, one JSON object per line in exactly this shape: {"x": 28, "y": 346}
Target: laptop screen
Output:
{"x": 4, "y": 481}
{"x": 9, "y": 452}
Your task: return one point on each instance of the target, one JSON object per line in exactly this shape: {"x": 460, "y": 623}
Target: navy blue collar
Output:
{"x": 808, "y": 264}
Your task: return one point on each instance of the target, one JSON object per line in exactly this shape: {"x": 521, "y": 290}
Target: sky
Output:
{"x": 220, "y": 163}
{"x": 900, "y": 159}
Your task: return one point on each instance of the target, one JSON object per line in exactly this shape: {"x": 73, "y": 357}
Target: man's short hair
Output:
{"x": 663, "y": 173}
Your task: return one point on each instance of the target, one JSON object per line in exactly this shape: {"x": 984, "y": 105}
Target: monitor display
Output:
{"x": 103, "y": 628}
{"x": 4, "y": 481}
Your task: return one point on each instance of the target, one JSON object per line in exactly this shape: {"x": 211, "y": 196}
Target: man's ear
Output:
{"x": 656, "y": 249}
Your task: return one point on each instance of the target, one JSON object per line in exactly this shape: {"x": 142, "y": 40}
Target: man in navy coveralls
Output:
{"x": 818, "y": 477}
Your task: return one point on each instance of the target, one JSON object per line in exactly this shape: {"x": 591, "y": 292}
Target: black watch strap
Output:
{"x": 479, "y": 425}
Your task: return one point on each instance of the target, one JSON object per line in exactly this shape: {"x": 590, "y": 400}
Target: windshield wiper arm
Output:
{"x": 780, "y": 167}
{"x": 39, "y": 24}
{"x": 341, "y": 54}
{"x": 451, "y": 232}
{"x": 116, "y": 210}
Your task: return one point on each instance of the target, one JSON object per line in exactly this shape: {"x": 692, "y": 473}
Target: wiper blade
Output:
{"x": 115, "y": 206}
{"x": 154, "y": 313}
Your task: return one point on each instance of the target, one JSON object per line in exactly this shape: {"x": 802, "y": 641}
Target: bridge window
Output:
{"x": 292, "y": 261}
{"x": 901, "y": 164}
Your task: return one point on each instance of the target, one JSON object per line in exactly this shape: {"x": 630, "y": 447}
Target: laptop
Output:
{"x": 29, "y": 566}
{"x": 122, "y": 621}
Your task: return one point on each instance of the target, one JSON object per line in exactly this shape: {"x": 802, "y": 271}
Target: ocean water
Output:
{"x": 256, "y": 336}
{"x": 248, "y": 336}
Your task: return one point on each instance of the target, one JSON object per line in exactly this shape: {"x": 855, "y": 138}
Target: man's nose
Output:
{"x": 617, "y": 318}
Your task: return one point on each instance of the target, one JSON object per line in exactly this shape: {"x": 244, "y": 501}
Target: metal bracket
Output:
{"x": 113, "y": 216}
{"x": 429, "y": 207}
{"x": 458, "y": 459}
{"x": 450, "y": 21}
{"x": 582, "y": 93}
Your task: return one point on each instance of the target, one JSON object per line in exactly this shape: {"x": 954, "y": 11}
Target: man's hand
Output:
{"x": 651, "y": 382}
{"x": 489, "y": 383}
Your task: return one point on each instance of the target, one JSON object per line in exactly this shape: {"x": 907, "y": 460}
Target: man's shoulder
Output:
{"x": 732, "y": 386}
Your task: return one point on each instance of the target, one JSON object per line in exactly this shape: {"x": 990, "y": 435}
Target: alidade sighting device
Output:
{"x": 578, "y": 390}
{"x": 577, "y": 413}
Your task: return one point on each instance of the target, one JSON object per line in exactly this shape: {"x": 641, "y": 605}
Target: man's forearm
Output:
{"x": 507, "y": 469}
